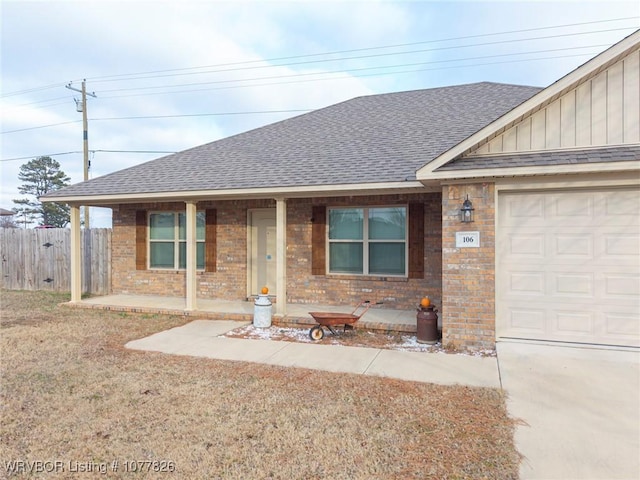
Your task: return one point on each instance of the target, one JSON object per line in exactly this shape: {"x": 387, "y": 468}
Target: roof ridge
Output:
{"x": 445, "y": 87}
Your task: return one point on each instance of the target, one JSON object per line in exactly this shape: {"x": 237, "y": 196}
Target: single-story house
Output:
{"x": 516, "y": 209}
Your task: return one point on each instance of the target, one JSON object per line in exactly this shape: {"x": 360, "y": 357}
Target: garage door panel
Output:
{"x": 525, "y": 212}
{"x": 526, "y": 283}
{"x": 621, "y": 245}
{"x": 527, "y": 245}
{"x": 527, "y": 321}
{"x": 573, "y": 209}
{"x": 622, "y": 206}
{"x": 568, "y": 268}
{"x": 584, "y": 326}
{"x": 573, "y": 245}
{"x": 622, "y": 326}
{"x": 626, "y": 286}
{"x": 572, "y": 284}
{"x": 577, "y": 322}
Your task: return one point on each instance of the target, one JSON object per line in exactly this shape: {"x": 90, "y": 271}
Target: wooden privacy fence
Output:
{"x": 40, "y": 259}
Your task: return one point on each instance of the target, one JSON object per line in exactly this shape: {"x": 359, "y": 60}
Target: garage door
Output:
{"x": 568, "y": 266}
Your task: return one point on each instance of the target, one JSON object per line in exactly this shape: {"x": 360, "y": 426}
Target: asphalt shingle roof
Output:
{"x": 377, "y": 138}
{"x": 622, "y": 153}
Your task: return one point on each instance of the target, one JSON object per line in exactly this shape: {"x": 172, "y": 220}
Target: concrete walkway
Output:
{"x": 579, "y": 408}
{"x": 202, "y": 338}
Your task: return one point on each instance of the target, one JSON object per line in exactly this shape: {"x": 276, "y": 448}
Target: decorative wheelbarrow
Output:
{"x": 334, "y": 319}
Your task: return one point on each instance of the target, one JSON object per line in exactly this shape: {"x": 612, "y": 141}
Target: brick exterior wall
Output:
{"x": 400, "y": 293}
{"x": 468, "y": 279}
{"x": 230, "y": 279}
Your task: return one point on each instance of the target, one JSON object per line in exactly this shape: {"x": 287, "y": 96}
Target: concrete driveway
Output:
{"x": 581, "y": 407}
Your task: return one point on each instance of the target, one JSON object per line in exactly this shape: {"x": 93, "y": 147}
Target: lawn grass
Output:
{"x": 71, "y": 393}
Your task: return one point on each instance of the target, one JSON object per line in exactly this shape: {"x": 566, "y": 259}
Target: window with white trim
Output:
{"x": 368, "y": 241}
{"x": 168, "y": 240}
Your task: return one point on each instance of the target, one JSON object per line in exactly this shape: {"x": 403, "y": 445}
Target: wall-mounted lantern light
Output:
{"x": 466, "y": 212}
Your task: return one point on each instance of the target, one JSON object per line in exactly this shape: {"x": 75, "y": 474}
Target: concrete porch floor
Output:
{"x": 377, "y": 318}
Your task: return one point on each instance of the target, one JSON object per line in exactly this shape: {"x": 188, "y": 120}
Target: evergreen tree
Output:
{"x": 41, "y": 176}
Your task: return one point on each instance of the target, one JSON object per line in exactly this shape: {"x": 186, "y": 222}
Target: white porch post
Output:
{"x": 281, "y": 256}
{"x": 76, "y": 256}
{"x": 190, "y": 303}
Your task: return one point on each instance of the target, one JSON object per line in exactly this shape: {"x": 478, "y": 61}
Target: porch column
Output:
{"x": 281, "y": 256}
{"x": 190, "y": 274}
{"x": 76, "y": 256}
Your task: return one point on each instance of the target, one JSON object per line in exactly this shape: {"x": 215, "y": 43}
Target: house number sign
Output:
{"x": 467, "y": 239}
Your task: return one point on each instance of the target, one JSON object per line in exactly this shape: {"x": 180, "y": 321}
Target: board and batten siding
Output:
{"x": 39, "y": 259}
{"x": 604, "y": 110}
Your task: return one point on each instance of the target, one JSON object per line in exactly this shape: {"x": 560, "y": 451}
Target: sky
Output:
{"x": 171, "y": 75}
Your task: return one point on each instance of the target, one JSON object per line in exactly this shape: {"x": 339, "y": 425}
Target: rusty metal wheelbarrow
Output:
{"x": 334, "y": 319}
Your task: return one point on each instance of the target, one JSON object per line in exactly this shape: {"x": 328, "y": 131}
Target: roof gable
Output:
{"x": 580, "y": 101}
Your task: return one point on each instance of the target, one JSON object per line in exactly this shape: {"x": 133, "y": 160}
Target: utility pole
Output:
{"x": 81, "y": 106}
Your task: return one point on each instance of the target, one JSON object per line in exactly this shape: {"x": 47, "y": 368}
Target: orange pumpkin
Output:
{"x": 264, "y": 290}
{"x": 425, "y": 302}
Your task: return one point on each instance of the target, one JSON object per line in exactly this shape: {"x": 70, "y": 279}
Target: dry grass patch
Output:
{"x": 71, "y": 393}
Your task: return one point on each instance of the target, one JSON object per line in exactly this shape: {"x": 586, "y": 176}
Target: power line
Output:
{"x": 134, "y": 151}
{"x": 41, "y": 126}
{"x": 275, "y": 59}
{"x": 120, "y": 77}
{"x": 324, "y": 74}
{"x": 352, "y": 69}
{"x": 38, "y": 156}
{"x": 308, "y": 74}
{"x": 31, "y": 90}
{"x": 346, "y": 76}
{"x": 79, "y": 151}
{"x": 290, "y": 82}
{"x": 66, "y": 99}
{"x": 375, "y": 55}
{"x": 162, "y": 116}
{"x": 350, "y": 58}
{"x": 203, "y": 114}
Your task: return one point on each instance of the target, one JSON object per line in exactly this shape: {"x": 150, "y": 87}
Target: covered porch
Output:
{"x": 377, "y": 318}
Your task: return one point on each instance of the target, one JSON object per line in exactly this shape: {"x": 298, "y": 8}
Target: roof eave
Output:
{"x": 249, "y": 193}
{"x": 572, "y": 168}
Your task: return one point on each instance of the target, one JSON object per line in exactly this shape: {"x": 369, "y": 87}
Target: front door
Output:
{"x": 262, "y": 250}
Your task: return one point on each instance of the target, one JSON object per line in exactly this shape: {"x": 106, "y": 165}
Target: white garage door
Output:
{"x": 568, "y": 266}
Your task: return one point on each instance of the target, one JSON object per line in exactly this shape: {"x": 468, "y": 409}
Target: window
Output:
{"x": 368, "y": 241}
{"x": 168, "y": 240}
